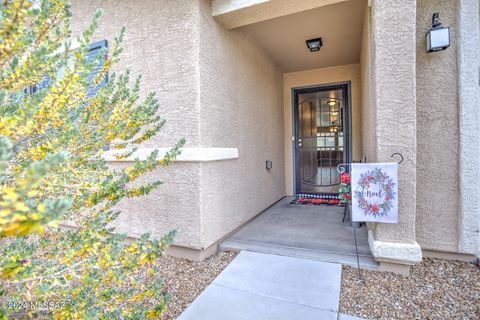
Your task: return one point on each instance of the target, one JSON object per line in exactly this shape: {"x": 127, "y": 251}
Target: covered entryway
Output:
{"x": 322, "y": 128}
{"x": 305, "y": 231}
{"x": 356, "y": 41}
{"x": 322, "y": 90}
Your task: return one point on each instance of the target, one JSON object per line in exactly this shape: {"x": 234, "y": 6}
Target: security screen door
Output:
{"x": 321, "y": 137}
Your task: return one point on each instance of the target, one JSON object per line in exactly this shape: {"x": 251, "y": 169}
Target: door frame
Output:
{"x": 344, "y": 85}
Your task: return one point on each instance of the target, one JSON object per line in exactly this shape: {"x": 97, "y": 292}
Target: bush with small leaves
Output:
{"x": 53, "y": 134}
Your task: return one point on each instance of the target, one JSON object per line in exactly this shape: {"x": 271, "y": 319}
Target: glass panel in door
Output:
{"x": 320, "y": 140}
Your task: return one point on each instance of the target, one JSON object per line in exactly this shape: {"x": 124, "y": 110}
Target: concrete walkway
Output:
{"x": 303, "y": 231}
{"x": 263, "y": 287}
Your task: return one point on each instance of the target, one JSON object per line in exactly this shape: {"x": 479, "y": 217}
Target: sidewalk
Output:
{"x": 263, "y": 286}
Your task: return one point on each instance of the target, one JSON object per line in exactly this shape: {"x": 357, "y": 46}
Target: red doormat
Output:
{"x": 316, "y": 201}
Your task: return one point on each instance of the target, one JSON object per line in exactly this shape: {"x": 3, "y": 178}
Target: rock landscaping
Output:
{"x": 185, "y": 280}
{"x": 435, "y": 289}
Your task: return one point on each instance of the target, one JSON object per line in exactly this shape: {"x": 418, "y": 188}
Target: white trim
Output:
{"x": 187, "y": 154}
{"x": 226, "y": 6}
{"x": 469, "y": 99}
{"x": 396, "y": 252}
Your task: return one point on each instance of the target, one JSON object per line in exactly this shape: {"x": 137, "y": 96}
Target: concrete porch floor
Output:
{"x": 304, "y": 231}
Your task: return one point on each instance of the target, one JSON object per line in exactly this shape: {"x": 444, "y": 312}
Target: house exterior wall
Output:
{"x": 241, "y": 106}
{"x": 446, "y": 126}
{"x": 217, "y": 89}
{"x": 393, "y": 42}
{"x": 393, "y": 59}
{"x": 437, "y": 216}
{"x": 148, "y": 46}
{"x": 320, "y": 77}
{"x": 368, "y": 119}
{"x": 163, "y": 51}
{"x": 468, "y": 62}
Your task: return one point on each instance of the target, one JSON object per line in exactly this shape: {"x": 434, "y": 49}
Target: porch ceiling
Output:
{"x": 339, "y": 25}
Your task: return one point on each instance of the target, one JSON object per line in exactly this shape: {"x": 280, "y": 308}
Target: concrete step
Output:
{"x": 366, "y": 261}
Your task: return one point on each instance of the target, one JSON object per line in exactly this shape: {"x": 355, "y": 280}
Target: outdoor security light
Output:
{"x": 438, "y": 38}
{"x": 314, "y": 44}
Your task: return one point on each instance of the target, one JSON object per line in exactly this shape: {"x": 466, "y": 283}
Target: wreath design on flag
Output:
{"x": 386, "y": 184}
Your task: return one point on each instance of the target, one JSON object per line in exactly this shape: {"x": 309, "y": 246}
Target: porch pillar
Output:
{"x": 393, "y": 72}
{"x": 469, "y": 99}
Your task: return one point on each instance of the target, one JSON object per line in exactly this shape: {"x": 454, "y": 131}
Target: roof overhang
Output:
{"x": 237, "y": 13}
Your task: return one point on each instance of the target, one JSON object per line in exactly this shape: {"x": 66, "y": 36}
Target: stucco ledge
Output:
{"x": 394, "y": 252}
{"x": 186, "y": 155}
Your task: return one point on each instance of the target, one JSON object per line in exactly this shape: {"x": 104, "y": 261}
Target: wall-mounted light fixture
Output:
{"x": 314, "y": 44}
{"x": 438, "y": 37}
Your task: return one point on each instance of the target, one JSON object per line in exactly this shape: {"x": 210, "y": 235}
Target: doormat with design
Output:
{"x": 312, "y": 199}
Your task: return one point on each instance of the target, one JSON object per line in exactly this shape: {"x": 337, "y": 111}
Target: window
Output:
{"x": 94, "y": 50}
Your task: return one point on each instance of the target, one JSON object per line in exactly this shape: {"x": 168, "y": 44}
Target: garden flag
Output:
{"x": 375, "y": 192}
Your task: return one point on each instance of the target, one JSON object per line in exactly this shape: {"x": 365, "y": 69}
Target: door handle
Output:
{"x": 300, "y": 142}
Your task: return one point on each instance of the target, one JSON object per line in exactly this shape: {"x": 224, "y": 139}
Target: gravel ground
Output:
{"x": 436, "y": 289}
{"x": 184, "y": 279}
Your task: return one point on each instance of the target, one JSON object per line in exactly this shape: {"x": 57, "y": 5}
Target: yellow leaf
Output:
{"x": 21, "y": 206}
{"x": 41, "y": 208}
{"x": 10, "y": 194}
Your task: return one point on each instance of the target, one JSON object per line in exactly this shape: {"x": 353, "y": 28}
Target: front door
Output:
{"x": 322, "y": 137}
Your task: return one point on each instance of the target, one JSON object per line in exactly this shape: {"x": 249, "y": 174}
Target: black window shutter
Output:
{"x": 95, "y": 49}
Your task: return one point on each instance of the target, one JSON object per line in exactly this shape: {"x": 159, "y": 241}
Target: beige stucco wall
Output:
{"x": 161, "y": 45}
{"x": 368, "y": 122}
{"x": 319, "y": 77}
{"x": 393, "y": 75}
{"x": 391, "y": 69}
{"x": 437, "y": 209}
{"x": 242, "y": 107}
{"x": 468, "y": 59}
{"x": 217, "y": 89}
{"x": 437, "y": 215}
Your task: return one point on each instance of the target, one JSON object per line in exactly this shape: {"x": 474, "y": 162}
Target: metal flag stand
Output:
{"x": 341, "y": 168}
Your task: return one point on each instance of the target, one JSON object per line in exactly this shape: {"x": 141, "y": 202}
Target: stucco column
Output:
{"x": 469, "y": 99}
{"x": 393, "y": 72}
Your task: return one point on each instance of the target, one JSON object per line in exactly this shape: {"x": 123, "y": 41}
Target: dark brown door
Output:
{"x": 321, "y": 138}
